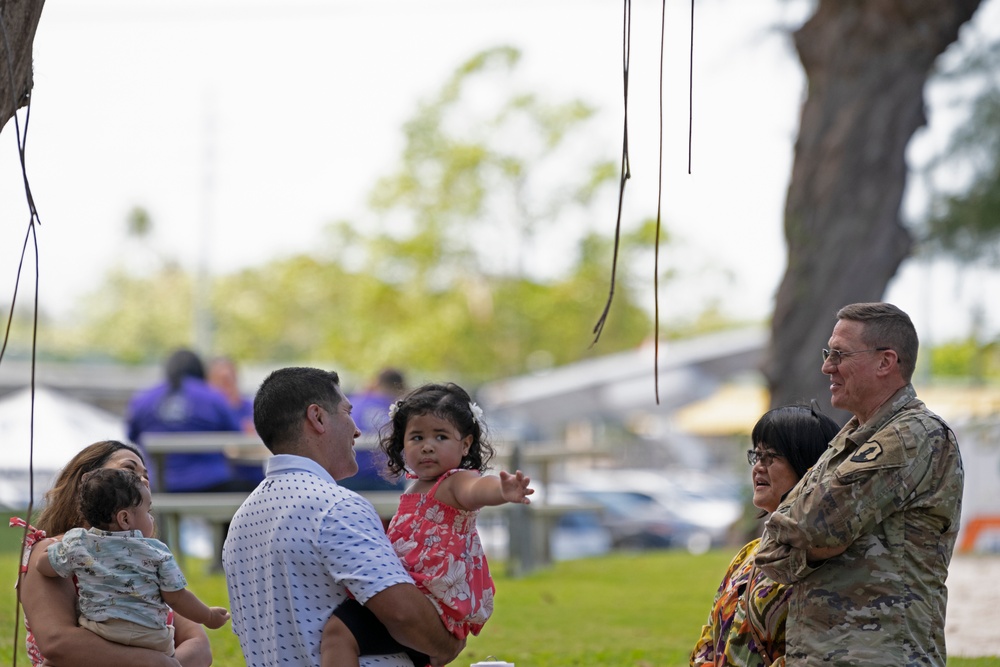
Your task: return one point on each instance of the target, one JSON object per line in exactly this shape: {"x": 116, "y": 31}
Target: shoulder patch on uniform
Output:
{"x": 868, "y": 452}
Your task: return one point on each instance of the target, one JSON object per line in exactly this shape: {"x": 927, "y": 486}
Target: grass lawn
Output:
{"x": 626, "y": 610}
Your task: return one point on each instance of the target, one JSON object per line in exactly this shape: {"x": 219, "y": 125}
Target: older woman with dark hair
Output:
{"x": 746, "y": 626}
{"x": 50, "y": 609}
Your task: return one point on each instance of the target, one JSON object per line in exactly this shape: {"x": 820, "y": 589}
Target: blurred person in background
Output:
{"x": 224, "y": 376}
{"x": 371, "y": 412}
{"x": 746, "y": 626}
{"x": 184, "y": 402}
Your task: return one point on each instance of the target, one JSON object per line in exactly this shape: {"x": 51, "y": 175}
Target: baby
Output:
{"x": 126, "y": 579}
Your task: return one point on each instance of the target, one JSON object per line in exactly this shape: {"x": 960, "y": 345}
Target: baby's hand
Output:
{"x": 514, "y": 488}
{"x": 217, "y": 618}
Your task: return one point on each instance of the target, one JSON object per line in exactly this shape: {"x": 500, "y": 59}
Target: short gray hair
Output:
{"x": 885, "y": 325}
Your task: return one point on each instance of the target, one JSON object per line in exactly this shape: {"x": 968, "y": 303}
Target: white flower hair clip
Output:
{"x": 393, "y": 409}
{"x": 477, "y": 412}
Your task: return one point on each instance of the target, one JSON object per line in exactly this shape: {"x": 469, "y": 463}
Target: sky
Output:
{"x": 245, "y": 128}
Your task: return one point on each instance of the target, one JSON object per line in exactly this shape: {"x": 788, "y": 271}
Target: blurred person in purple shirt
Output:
{"x": 222, "y": 374}
{"x": 370, "y": 409}
{"x": 184, "y": 402}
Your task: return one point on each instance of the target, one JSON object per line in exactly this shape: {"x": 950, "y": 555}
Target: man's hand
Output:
{"x": 814, "y": 556}
{"x": 439, "y": 661}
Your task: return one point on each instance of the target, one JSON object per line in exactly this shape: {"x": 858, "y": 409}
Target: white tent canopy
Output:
{"x": 62, "y": 427}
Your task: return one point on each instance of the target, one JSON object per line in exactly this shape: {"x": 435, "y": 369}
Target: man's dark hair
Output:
{"x": 885, "y": 325}
{"x": 107, "y": 491}
{"x": 281, "y": 402}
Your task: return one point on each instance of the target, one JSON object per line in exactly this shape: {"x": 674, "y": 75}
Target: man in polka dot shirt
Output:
{"x": 301, "y": 544}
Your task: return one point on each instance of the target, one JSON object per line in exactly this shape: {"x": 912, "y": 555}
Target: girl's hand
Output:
{"x": 514, "y": 487}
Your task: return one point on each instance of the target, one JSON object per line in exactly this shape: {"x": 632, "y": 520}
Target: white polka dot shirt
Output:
{"x": 294, "y": 549}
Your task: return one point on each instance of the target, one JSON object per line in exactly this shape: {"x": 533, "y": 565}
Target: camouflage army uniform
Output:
{"x": 891, "y": 492}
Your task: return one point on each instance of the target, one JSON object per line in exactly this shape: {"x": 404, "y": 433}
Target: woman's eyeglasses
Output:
{"x": 765, "y": 457}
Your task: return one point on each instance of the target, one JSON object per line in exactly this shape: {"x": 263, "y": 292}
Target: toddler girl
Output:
{"x": 435, "y": 437}
{"x": 125, "y": 578}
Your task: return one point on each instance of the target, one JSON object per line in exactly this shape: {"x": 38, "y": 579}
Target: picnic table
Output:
{"x": 529, "y": 525}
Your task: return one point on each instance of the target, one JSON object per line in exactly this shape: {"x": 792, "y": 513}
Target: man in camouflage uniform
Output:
{"x": 867, "y": 534}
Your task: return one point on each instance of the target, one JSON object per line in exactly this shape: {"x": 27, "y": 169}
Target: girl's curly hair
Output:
{"x": 446, "y": 401}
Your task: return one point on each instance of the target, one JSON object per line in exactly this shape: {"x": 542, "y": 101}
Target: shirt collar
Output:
{"x": 115, "y": 533}
{"x": 285, "y": 463}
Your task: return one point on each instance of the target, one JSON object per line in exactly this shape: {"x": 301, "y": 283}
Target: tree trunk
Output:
{"x": 20, "y": 19}
{"x": 866, "y": 62}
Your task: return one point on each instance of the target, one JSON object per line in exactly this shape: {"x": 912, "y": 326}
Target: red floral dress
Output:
{"x": 439, "y": 546}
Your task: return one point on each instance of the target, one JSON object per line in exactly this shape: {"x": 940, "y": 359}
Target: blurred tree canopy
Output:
{"x": 964, "y": 224}
{"x": 967, "y": 359}
{"x": 448, "y": 276}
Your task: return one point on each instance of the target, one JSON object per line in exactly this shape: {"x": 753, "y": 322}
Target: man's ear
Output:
{"x": 887, "y": 362}
{"x": 316, "y": 418}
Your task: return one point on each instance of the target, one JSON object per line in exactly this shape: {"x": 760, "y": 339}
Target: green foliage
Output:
{"x": 17, "y": 327}
{"x": 966, "y": 225}
{"x": 968, "y": 228}
{"x": 473, "y": 330}
{"x": 966, "y": 359}
{"x": 479, "y": 182}
{"x": 130, "y": 319}
{"x": 288, "y": 310}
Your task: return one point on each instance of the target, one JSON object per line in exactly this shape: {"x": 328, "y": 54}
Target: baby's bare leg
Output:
{"x": 338, "y": 648}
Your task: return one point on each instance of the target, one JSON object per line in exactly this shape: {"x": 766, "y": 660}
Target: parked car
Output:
{"x": 636, "y": 520}
{"x": 574, "y": 534}
{"x": 651, "y": 509}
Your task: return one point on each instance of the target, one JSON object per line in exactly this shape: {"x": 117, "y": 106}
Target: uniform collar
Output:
{"x": 859, "y": 434}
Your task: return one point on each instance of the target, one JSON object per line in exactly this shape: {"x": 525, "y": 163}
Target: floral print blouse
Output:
{"x": 737, "y": 620}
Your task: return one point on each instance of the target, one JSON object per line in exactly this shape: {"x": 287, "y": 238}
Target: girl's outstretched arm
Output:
{"x": 472, "y": 491}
